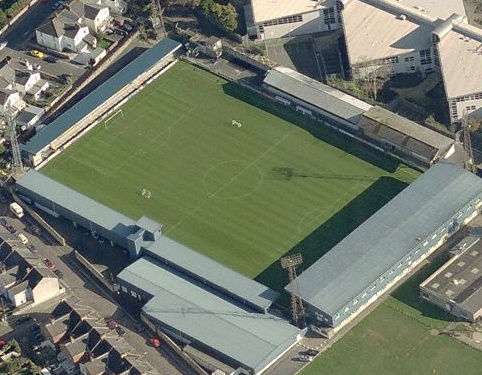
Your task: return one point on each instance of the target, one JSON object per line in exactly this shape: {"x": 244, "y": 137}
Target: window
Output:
{"x": 329, "y": 16}
{"x": 285, "y": 20}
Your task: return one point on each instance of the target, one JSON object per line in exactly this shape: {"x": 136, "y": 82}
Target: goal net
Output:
{"x": 236, "y": 123}
{"x": 115, "y": 116}
{"x": 146, "y": 193}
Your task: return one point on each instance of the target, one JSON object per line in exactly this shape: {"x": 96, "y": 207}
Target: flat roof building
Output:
{"x": 389, "y": 244}
{"x": 457, "y": 286}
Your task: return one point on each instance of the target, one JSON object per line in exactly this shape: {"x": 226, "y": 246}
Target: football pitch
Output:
{"x": 248, "y": 195}
{"x": 241, "y": 195}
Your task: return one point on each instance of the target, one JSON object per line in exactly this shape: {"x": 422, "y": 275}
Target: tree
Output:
{"x": 229, "y": 17}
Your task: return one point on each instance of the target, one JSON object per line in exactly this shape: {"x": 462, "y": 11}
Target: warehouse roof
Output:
{"x": 461, "y": 60}
{"x": 269, "y": 10}
{"x": 210, "y": 319}
{"x": 316, "y": 93}
{"x": 387, "y": 236}
{"x": 205, "y": 269}
{"x": 375, "y": 32}
{"x": 90, "y": 102}
{"x": 82, "y": 205}
{"x": 460, "y": 278}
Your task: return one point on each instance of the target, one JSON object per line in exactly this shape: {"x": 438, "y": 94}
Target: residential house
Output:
{"x": 20, "y": 76}
{"x": 63, "y": 32}
{"x": 93, "y": 15}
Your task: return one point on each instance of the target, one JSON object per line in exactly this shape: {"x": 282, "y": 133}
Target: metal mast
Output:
{"x": 17, "y": 166}
{"x": 469, "y": 155}
{"x": 289, "y": 263}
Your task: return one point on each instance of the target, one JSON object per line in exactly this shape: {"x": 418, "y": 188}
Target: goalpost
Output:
{"x": 146, "y": 193}
{"x": 113, "y": 117}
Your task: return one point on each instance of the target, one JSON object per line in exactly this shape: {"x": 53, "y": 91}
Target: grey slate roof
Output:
{"x": 252, "y": 339}
{"x": 87, "y": 104}
{"x": 387, "y": 236}
{"x": 316, "y": 93}
{"x": 211, "y": 271}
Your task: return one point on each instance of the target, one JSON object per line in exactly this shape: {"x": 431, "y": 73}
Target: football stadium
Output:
{"x": 207, "y": 185}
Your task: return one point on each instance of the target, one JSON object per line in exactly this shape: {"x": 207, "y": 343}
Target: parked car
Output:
{"x": 11, "y": 229}
{"x": 155, "y": 342}
{"x": 128, "y": 27}
{"x": 108, "y": 32}
{"x": 23, "y": 319}
{"x": 49, "y": 264}
{"x": 58, "y": 273}
{"x": 305, "y": 358}
{"x": 35, "y": 327}
{"x": 312, "y": 352}
{"x": 3, "y": 45}
{"x": 35, "y": 229}
{"x": 22, "y": 238}
{"x": 37, "y": 53}
{"x": 57, "y": 5}
{"x": 36, "y": 66}
{"x": 51, "y": 59}
{"x": 32, "y": 249}
{"x": 120, "y": 32}
{"x": 120, "y": 331}
{"x": 3, "y": 222}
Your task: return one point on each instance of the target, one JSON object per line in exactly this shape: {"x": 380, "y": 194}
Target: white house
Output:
{"x": 95, "y": 16}
{"x": 63, "y": 32}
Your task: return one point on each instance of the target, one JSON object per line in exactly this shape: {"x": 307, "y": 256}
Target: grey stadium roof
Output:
{"x": 251, "y": 339}
{"x": 316, "y": 93}
{"x": 387, "y": 236}
{"x": 87, "y": 104}
{"x": 207, "y": 269}
{"x": 70, "y": 199}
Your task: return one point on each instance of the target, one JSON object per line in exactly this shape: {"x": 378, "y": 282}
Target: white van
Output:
{"x": 22, "y": 238}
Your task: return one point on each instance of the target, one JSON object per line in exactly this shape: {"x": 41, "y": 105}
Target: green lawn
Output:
{"x": 244, "y": 196}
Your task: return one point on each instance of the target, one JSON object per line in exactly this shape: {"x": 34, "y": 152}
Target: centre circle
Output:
{"x": 233, "y": 179}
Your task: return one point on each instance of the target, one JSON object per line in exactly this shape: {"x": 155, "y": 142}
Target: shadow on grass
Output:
{"x": 322, "y": 239}
{"x": 408, "y": 292}
{"x": 315, "y": 128}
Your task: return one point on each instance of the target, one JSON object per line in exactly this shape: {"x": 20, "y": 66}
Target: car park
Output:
{"x": 37, "y": 53}
{"x": 23, "y": 319}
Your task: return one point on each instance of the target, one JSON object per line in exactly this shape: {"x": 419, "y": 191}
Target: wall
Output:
{"x": 46, "y": 289}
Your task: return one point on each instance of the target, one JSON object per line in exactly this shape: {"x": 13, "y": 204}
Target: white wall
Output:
{"x": 49, "y": 41}
{"x": 47, "y": 288}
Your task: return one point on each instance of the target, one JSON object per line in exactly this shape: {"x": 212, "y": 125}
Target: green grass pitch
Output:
{"x": 244, "y": 196}
{"x": 247, "y": 196}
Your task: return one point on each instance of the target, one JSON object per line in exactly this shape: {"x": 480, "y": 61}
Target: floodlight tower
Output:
{"x": 289, "y": 263}
{"x": 469, "y": 162}
{"x": 17, "y": 166}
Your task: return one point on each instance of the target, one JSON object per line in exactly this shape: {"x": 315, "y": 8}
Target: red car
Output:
{"x": 49, "y": 264}
{"x": 155, "y": 342}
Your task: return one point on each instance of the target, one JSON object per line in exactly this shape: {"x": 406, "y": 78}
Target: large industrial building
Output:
{"x": 457, "y": 286}
{"x": 178, "y": 283}
{"x": 389, "y": 244}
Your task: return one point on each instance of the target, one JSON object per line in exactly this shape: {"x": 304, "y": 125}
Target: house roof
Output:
{"x": 373, "y": 32}
{"x": 387, "y": 237}
{"x": 316, "y": 93}
{"x": 90, "y": 102}
{"x": 211, "y": 319}
{"x": 9, "y": 277}
{"x": 264, "y": 10}
{"x": 77, "y": 346}
{"x": 19, "y": 288}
